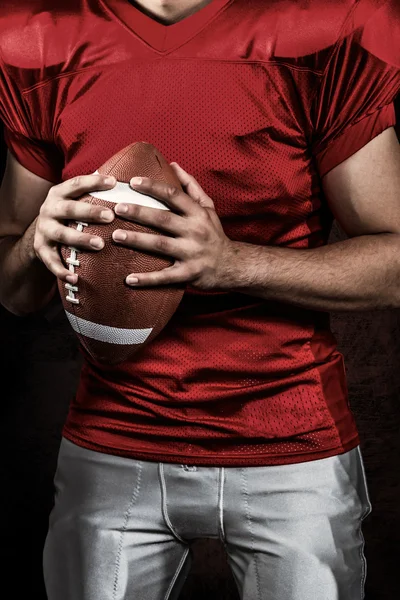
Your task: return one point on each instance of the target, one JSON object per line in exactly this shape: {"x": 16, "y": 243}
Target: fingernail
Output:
{"x": 106, "y": 215}
{"x": 121, "y": 209}
{"x": 119, "y": 236}
{"x": 136, "y": 180}
{"x": 97, "y": 243}
{"x": 72, "y": 278}
{"x": 109, "y": 180}
{"x": 132, "y": 280}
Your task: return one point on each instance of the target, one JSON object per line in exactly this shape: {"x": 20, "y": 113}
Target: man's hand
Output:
{"x": 61, "y": 206}
{"x": 195, "y": 238}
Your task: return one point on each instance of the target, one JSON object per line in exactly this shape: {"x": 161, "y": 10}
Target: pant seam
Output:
{"x": 248, "y": 516}
{"x": 164, "y": 504}
{"x": 177, "y": 572}
{"x": 128, "y": 513}
{"x": 221, "y": 503}
{"x": 365, "y": 514}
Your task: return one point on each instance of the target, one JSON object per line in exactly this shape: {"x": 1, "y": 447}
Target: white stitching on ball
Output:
{"x": 74, "y": 262}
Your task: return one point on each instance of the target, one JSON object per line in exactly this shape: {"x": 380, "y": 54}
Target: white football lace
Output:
{"x": 73, "y": 262}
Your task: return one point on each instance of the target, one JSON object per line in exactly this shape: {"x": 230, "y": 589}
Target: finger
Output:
{"x": 69, "y": 236}
{"x": 83, "y": 184}
{"x": 70, "y": 210}
{"x": 148, "y": 242}
{"x": 193, "y": 188}
{"x": 51, "y": 259}
{"x": 174, "y": 197}
{"x": 161, "y": 219}
{"x": 172, "y": 275}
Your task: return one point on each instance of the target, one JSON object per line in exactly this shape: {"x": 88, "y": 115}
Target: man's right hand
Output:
{"x": 61, "y": 206}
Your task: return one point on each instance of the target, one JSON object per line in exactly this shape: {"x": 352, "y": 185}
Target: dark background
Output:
{"x": 39, "y": 371}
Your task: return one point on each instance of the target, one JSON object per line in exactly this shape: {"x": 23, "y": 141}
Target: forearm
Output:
{"x": 361, "y": 273}
{"x": 26, "y": 285}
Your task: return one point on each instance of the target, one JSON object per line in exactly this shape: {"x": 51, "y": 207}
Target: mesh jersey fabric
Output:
{"x": 258, "y": 101}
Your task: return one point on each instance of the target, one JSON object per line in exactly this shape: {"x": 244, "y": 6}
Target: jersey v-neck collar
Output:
{"x": 164, "y": 38}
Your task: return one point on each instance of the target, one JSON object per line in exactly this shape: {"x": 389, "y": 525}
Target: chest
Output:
{"x": 228, "y": 117}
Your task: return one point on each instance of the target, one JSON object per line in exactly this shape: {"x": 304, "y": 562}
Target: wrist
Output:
{"x": 26, "y": 283}
{"x": 25, "y": 244}
{"x": 239, "y": 266}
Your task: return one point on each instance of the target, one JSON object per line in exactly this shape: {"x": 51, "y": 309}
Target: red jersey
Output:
{"x": 258, "y": 100}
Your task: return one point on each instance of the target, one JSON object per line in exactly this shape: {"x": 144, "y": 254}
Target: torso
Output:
{"x": 234, "y": 94}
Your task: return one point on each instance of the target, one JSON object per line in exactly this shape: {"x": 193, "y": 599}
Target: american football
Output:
{"x": 112, "y": 320}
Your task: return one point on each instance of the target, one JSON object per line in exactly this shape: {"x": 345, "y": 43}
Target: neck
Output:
{"x": 168, "y": 12}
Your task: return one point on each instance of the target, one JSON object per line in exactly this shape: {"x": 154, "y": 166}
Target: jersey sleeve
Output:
{"x": 25, "y": 131}
{"x": 35, "y": 155}
{"x": 355, "y": 102}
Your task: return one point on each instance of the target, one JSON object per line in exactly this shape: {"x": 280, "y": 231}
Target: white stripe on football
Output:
{"x": 123, "y": 193}
{"x": 105, "y": 333}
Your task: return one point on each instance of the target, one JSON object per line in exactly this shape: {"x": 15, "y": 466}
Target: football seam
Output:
{"x": 74, "y": 289}
{"x": 73, "y": 262}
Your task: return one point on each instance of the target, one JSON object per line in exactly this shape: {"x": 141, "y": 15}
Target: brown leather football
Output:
{"x": 111, "y": 319}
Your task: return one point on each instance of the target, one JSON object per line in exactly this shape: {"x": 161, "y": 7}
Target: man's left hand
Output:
{"x": 202, "y": 253}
